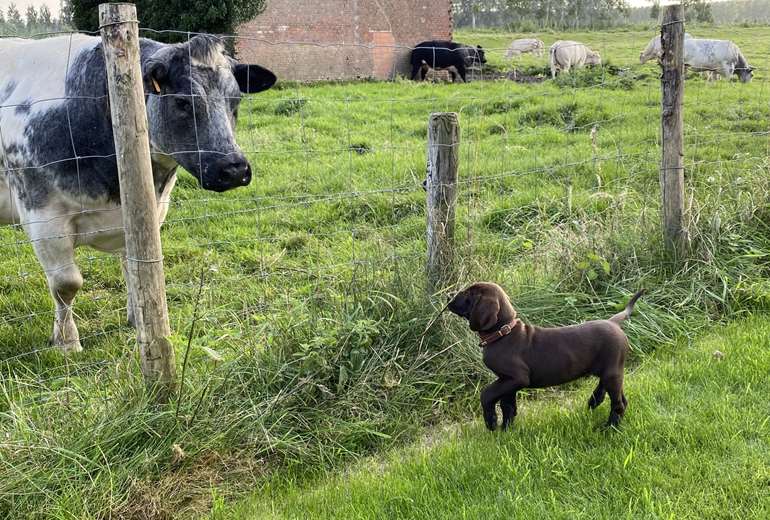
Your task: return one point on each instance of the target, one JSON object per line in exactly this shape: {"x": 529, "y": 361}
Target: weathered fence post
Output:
{"x": 144, "y": 255}
{"x": 443, "y": 158}
{"x": 672, "y": 127}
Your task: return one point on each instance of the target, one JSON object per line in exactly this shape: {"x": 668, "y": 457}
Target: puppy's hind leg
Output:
{"x": 614, "y": 386}
{"x": 597, "y": 397}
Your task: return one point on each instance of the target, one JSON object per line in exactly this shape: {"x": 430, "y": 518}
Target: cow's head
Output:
{"x": 593, "y": 58}
{"x": 194, "y": 90}
{"x": 744, "y": 73}
{"x": 474, "y": 56}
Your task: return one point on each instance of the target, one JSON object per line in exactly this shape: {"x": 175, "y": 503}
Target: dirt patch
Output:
{"x": 187, "y": 490}
{"x": 512, "y": 75}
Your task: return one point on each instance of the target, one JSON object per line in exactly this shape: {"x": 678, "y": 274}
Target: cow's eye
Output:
{"x": 183, "y": 104}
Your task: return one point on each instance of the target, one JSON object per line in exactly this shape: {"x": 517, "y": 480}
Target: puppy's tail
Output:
{"x": 626, "y": 313}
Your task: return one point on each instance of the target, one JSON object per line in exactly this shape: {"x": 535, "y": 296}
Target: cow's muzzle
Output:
{"x": 231, "y": 171}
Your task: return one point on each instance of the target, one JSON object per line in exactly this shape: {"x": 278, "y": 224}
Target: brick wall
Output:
{"x": 311, "y": 40}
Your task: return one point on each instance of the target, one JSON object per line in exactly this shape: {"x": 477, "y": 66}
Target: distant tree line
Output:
{"x": 34, "y": 20}
{"x": 732, "y": 12}
{"x": 533, "y": 15}
{"x": 540, "y": 14}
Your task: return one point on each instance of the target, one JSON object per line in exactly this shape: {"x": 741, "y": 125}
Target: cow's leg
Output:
{"x": 415, "y": 69}
{"x": 57, "y": 257}
{"x": 129, "y": 301}
{"x": 461, "y": 71}
{"x": 727, "y": 71}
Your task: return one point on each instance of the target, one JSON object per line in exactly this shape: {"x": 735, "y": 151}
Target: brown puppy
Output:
{"x": 525, "y": 356}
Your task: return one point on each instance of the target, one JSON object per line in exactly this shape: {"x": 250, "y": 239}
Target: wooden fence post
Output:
{"x": 672, "y": 128}
{"x": 443, "y": 158}
{"x": 144, "y": 255}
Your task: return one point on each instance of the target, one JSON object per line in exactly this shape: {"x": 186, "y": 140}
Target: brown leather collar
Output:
{"x": 503, "y": 331}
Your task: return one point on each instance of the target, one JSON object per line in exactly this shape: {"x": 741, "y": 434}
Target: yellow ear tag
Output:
{"x": 155, "y": 86}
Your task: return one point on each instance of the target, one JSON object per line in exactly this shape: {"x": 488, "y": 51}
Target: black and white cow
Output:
{"x": 58, "y": 176}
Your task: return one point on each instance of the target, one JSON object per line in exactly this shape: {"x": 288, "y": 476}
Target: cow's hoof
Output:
{"x": 66, "y": 338}
{"x": 72, "y": 347}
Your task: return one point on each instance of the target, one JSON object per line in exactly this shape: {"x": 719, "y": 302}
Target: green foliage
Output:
{"x": 220, "y": 17}
{"x": 310, "y": 349}
{"x": 290, "y": 106}
{"x": 34, "y": 21}
{"x": 695, "y": 432}
{"x": 655, "y": 10}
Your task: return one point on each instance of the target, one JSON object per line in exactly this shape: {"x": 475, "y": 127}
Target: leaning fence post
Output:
{"x": 672, "y": 128}
{"x": 441, "y": 185}
{"x": 144, "y": 255}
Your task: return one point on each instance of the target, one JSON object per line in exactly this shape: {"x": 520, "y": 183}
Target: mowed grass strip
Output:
{"x": 695, "y": 444}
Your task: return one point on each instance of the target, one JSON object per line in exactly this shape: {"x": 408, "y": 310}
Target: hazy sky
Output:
{"x": 53, "y": 5}
{"x": 21, "y": 5}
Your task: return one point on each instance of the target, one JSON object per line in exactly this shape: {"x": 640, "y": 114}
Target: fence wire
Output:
{"x": 335, "y": 212}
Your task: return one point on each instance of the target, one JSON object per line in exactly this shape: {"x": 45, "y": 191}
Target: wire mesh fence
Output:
{"x": 558, "y": 181}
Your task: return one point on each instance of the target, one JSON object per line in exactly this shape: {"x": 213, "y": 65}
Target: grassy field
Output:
{"x": 695, "y": 444}
{"x": 308, "y": 348}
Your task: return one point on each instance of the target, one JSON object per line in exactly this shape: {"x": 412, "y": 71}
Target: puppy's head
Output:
{"x": 484, "y": 305}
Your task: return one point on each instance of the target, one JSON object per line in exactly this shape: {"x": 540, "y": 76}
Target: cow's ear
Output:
{"x": 155, "y": 75}
{"x": 253, "y": 78}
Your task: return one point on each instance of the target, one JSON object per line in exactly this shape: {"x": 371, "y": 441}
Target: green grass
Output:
{"x": 695, "y": 444}
{"x": 314, "y": 292}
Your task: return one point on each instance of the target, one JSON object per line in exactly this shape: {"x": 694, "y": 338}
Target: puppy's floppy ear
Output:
{"x": 484, "y": 312}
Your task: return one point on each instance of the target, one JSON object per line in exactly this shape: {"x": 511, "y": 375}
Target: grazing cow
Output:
{"x": 713, "y": 57}
{"x": 525, "y": 45}
{"x": 717, "y": 57}
{"x": 58, "y": 176}
{"x": 441, "y": 54}
{"x": 654, "y": 50}
{"x": 565, "y": 54}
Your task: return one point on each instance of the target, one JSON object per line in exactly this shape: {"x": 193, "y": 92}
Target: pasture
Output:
{"x": 301, "y": 302}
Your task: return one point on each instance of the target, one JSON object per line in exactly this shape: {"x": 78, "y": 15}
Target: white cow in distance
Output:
{"x": 525, "y": 45}
{"x": 654, "y": 49}
{"x": 718, "y": 57}
{"x": 714, "y": 57}
{"x": 565, "y": 54}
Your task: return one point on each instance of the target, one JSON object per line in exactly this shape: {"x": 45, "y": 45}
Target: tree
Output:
{"x": 216, "y": 17}
{"x": 44, "y": 18}
{"x": 31, "y": 19}
{"x": 698, "y": 10}
{"x": 15, "y": 23}
{"x": 563, "y": 14}
{"x": 65, "y": 13}
{"x": 655, "y": 10}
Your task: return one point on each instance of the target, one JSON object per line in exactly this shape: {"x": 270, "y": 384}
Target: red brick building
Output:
{"x": 311, "y": 40}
